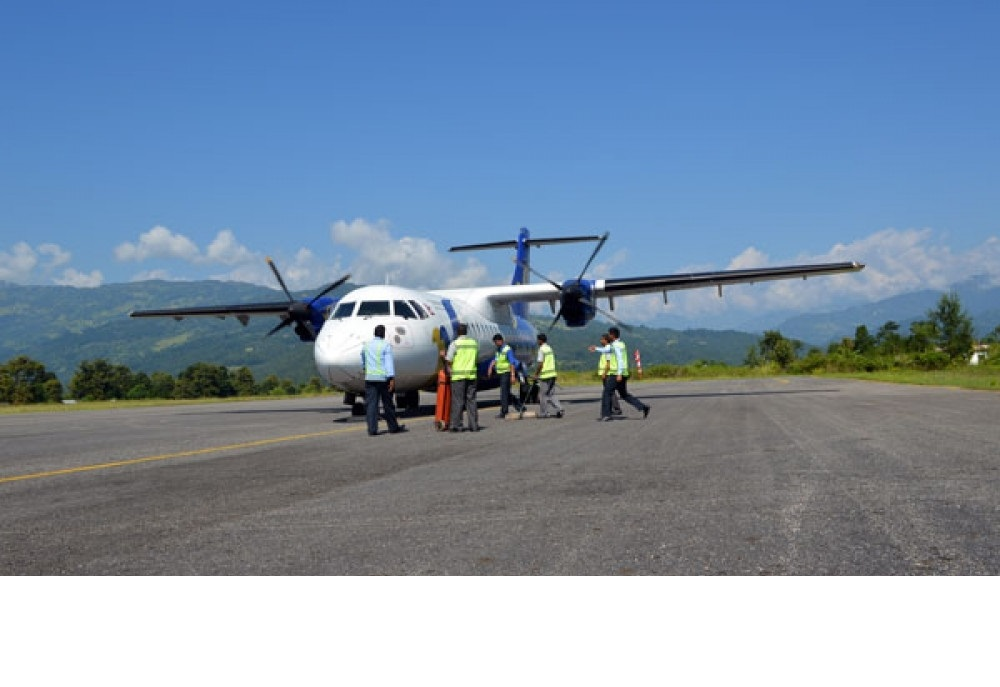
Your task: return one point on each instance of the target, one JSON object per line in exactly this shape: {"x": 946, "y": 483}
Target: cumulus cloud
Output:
{"x": 55, "y": 254}
{"x": 158, "y": 242}
{"x": 17, "y": 264}
{"x": 227, "y": 250}
{"x": 409, "y": 261}
{"x": 72, "y": 277}
{"x": 24, "y": 264}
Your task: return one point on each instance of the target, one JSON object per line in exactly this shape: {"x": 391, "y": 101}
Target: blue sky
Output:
{"x": 188, "y": 140}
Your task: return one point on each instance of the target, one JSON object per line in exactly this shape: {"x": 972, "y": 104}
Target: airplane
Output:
{"x": 421, "y": 323}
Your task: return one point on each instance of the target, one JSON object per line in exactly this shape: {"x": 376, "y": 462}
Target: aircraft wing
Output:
{"x": 611, "y": 288}
{"x": 695, "y": 280}
{"x": 241, "y": 312}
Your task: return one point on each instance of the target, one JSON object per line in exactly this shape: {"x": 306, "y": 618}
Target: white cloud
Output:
{"x": 57, "y": 256}
{"x": 24, "y": 264}
{"x": 408, "y": 261}
{"x": 158, "y": 242}
{"x": 151, "y": 274}
{"x": 72, "y": 277}
{"x": 226, "y": 250}
{"x": 17, "y": 265}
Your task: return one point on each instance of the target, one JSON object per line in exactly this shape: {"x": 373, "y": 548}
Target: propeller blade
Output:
{"x": 594, "y": 254}
{"x": 309, "y": 328}
{"x": 537, "y": 273}
{"x": 555, "y": 320}
{"x": 281, "y": 325}
{"x": 330, "y": 288}
{"x": 280, "y": 280}
{"x": 606, "y": 314}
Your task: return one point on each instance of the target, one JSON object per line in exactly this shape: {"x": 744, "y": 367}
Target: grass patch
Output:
{"x": 978, "y": 378}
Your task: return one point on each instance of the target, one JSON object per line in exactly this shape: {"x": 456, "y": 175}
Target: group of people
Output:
{"x": 613, "y": 367}
{"x": 460, "y": 365}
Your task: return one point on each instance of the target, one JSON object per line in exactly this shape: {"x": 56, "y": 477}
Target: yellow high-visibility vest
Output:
{"x": 502, "y": 364}
{"x": 548, "y": 370}
{"x": 464, "y": 364}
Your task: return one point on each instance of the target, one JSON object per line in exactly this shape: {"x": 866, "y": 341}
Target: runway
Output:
{"x": 780, "y": 476}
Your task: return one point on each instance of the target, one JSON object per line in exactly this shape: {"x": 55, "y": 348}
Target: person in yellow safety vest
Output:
{"x": 604, "y": 369}
{"x": 380, "y": 382}
{"x": 617, "y": 380}
{"x": 546, "y": 375}
{"x": 461, "y": 361}
{"x": 505, "y": 365}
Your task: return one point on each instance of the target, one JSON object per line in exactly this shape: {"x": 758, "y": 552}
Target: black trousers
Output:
{"x": 375, "y": 392}
{"x": 611, "y": 385}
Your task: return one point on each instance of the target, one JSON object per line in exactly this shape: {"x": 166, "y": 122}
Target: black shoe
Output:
{"x": 559, "y": 414}
{"x": 373, "y": 434}
{"x": 501, "y": 416}
{"x": 401, "y": 428}
{"x": 645, "y": 412}
{"x": 456, "y": 430}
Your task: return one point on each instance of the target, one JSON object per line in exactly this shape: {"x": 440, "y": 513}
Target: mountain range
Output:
{"x": 61, "y": 326}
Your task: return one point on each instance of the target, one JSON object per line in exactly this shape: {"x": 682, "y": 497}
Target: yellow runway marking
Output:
{"x": 179, "y": 454}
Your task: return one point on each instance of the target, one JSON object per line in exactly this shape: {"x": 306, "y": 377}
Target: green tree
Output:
{"x": 204, "y": 380}
{"x": 993, "y": 337}
{"x": 243, "y": 382}
{"x": 864, "y": 342}
{"x": 161, "y": 385}
{"x": 923, "y": 334}
{"x": 954, "y": 327}
{"x": 23, "y": 380}
{"x": 99, "y": 380}
{"x": 888, "y": 340}
{"x": 142, "y": 387}
{"x": 775, "y": 348}
{"x": 313, "y": 386}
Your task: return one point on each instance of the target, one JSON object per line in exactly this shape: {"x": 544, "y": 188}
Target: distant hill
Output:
{"x": 980, "y": 300}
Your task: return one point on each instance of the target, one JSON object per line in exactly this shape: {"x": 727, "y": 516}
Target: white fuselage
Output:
{"x": 418, "y": 325}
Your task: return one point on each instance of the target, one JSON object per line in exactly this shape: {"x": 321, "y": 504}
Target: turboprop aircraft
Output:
{"x": 420, "y": 324}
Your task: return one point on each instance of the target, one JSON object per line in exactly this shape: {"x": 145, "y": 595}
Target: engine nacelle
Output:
{"x": 576, "y": 302}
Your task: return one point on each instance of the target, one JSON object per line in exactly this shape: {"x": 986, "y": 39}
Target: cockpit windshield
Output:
{"x": 408, "y": 310}
{"x": 343, "y": 311}
{"x": 373, "y": 308}
{"x": 402, "y": 309}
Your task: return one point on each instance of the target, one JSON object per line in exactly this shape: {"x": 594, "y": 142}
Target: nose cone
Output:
{"x": 338, "y": 354}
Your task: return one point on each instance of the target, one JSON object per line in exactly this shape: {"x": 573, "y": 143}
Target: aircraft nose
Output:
{"x": 338, "y": 353}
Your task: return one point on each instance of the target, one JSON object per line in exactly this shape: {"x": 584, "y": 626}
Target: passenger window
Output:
{"x": 343, "y": 311}
{"x": 403, "y": 310}
{"x": 373, "y": 308}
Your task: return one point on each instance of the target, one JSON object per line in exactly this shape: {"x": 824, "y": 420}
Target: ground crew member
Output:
{"x": 546, "y": 375}
{"x": 618, "y": 379}
{"x": 505, "y": 365}
{"x": 604, "y": 369}
{"x": 461, "y": 360}
{"x": 380, "y": 382}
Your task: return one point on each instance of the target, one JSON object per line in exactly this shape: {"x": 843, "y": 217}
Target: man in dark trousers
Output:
{"x": 380, "y": 382}
{"x": 461, "y": 359}
{"x": 617, "y": 379}
{"x": 505, "y": 365}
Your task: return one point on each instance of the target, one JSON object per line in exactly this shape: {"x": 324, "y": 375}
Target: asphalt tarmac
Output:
{"x": 783, "y": 476}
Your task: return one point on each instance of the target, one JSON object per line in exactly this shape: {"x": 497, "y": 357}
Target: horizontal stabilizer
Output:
{"x": 529, "y": 242}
